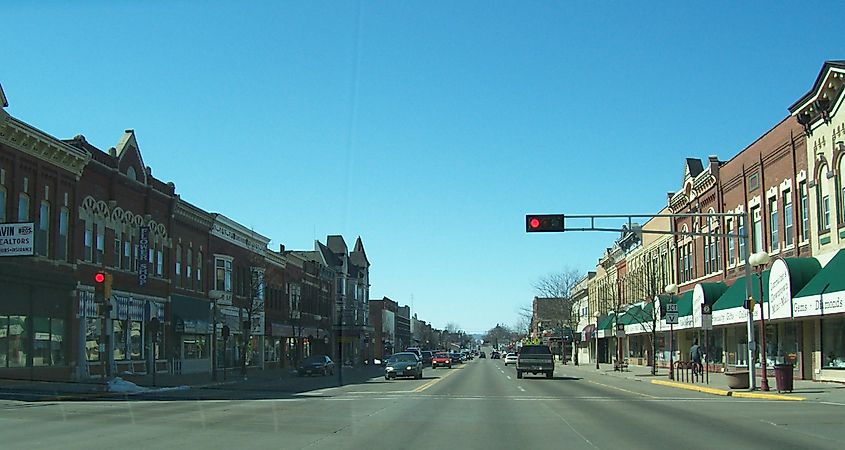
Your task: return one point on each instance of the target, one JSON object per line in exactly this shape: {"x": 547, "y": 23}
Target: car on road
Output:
{"x": 495, "y": 355}
{"x": 404, "y": 364}
{"x": 426, "y": 357}
{"x": 510, "y": 358}
{"x": 316, "y": 364}
{"x": 535, "y": 359}
{"x": 415, "y": 350}
{"x": 441, "y": 360}
{"x": 456, "y": 358}
{"x": 482, "y": 355}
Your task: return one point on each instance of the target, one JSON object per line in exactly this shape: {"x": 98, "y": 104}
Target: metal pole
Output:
{"x": 214, "y": 340}
{"x": 671, "y": 351}
{"x": 752, "y": 377}
{"x": 764, "y": 380}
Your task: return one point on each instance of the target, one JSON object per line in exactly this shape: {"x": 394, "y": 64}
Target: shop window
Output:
{"x": 117, "y": 249}
{"x": 119, "y": 334}
{"x": 223, "y": 275}
{"x": 93, "y": 327}
{"x": 47, "y": 349}
{"x": 833, "y": 343}
{"x": 57, "y": 338}
{"x": 159, "y": 262}
{"x": 136, "y": 339}
{"x": 195, "y": 347}
{"x": 18, "y": 336}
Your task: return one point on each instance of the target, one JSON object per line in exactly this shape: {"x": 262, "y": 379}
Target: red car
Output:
{"x": 441, "y": 360}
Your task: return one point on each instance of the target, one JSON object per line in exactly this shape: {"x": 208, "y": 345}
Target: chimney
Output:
{"x": 281, "y": 248}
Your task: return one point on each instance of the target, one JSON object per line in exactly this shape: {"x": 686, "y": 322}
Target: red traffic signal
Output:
{"x": 540, "y": 223}
{"x": 99, "y": 277}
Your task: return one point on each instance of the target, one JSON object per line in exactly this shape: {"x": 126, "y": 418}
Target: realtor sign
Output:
{"x": 17, "y": 239}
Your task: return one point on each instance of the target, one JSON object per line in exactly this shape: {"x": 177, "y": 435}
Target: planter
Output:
{"x": 738, "y": 379}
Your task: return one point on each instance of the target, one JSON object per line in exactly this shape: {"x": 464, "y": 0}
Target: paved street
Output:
{"x": 480, "y": 404}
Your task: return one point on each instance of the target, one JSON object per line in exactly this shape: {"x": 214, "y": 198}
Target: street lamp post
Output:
{"x": 759, "y": 260}
{"x": 597, "y": 315}
{"x": 672, "y": 290}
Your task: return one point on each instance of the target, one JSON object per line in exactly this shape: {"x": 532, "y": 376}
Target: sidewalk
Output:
{"x": 803, "y": 389}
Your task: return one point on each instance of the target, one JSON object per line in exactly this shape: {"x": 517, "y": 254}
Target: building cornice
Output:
{"x": 34, "y": 142}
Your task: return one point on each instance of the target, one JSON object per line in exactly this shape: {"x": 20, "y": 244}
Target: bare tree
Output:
{"x": 645, "y": 284}
{"x": 252, "y": 309}
{"x": 559, "y": 288}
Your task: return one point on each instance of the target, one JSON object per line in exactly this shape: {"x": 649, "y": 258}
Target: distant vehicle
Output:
{"x": 510, "y": 358}
{"x": 404, "y": 364}
{"x": 415, "y": 350}
{"x": 441, "y": 360}
{"x": 482, "y": 355}
{"x": 535, "y": 359}
{"x": 426, "y": 357}
{"x": 495, "y": 355}
{"x": 316, "y": 364}
{"x": 456, "y": 358}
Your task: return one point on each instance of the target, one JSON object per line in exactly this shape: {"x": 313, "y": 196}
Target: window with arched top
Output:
{"x": 840, "y": 181}
{"x": 130, "y": 172}
{"x": 823, "y": 192}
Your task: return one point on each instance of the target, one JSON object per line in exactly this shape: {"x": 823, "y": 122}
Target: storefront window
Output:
{"x": 4, "y": 341}
{"x": 833, "y": 343}
{"x": 119, "y": 340}
{"x": 18, "y": 337}
{"x": 195, "y": 347}
{"x": 57, "y": 350}
{"x": 135, "y": 340}
{"x": 736, "y": 346}
{"x": 715, "y": 347}
{"x": 41, "y": 347}
{"x": 92, "y": 339}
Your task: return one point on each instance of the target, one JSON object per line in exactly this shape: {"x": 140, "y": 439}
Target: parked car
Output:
{"x": 316, "y": 364}
{"x": 482, "y": 355}
{"x": 510, "y": 358}
{"x": 535, "y": 359}
{"x": 426, "y": 357}
{"x": 415, "y": 350}
{"x": 404, "y": 364}
{"x": 441, "y": 360}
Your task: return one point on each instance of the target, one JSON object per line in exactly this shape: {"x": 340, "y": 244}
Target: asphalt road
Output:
{"x": 480, "y": 404}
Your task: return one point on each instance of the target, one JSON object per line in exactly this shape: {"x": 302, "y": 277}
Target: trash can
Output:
{"x": 783, "y": 377}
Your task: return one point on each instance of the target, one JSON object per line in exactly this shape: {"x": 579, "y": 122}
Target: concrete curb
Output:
{"x": 726, "y": 393}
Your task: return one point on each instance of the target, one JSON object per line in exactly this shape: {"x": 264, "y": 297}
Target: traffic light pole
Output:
{"x": 557, "y": 223}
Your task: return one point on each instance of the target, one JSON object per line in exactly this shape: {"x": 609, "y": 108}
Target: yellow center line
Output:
{"x": 432, "y": 382}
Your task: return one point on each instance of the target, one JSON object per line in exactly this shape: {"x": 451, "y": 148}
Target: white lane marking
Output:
{"x": 574, "y": 430}
{"x": 832, "y": 403}
{"x": 509, "y": 377}
{"x": 520, "y": 388}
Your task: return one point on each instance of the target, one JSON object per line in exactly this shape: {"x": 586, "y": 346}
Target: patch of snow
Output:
{"x": 118, "y": 384}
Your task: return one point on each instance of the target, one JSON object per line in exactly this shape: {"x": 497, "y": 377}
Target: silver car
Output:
{"x": 405, "y": 364}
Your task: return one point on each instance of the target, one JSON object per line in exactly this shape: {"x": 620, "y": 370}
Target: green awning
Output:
{"x": 830, "y": 279}
{"x": 684, "y": 302}
{"x": 631, "y": 316}
{"x": 735, "y": 295}
{"x": 801, "y": 271}
{"x": 712, "y": 291}
{"x": 607, "y": 322}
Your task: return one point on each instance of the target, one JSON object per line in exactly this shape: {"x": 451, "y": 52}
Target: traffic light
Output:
{"x": 544, "y": 223}
{"x": 102, "y": 286}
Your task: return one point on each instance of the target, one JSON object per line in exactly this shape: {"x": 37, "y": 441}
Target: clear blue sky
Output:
{"x": 428, "y": 128}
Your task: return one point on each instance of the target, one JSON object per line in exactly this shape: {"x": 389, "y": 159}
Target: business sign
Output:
{"x": 17, "y": 239}
{"x": 143, "y": 255}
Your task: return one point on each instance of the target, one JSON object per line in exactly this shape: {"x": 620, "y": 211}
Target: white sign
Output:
{"x": 17, "y": 239}
{"x": 706, "y": 322}
{"x": 780, "y": 291}
{"x": 671, "y": 317}
{"x": 672, "y": 307}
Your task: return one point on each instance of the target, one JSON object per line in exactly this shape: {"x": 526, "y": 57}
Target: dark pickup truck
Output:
{"x": 535, "y": 359}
